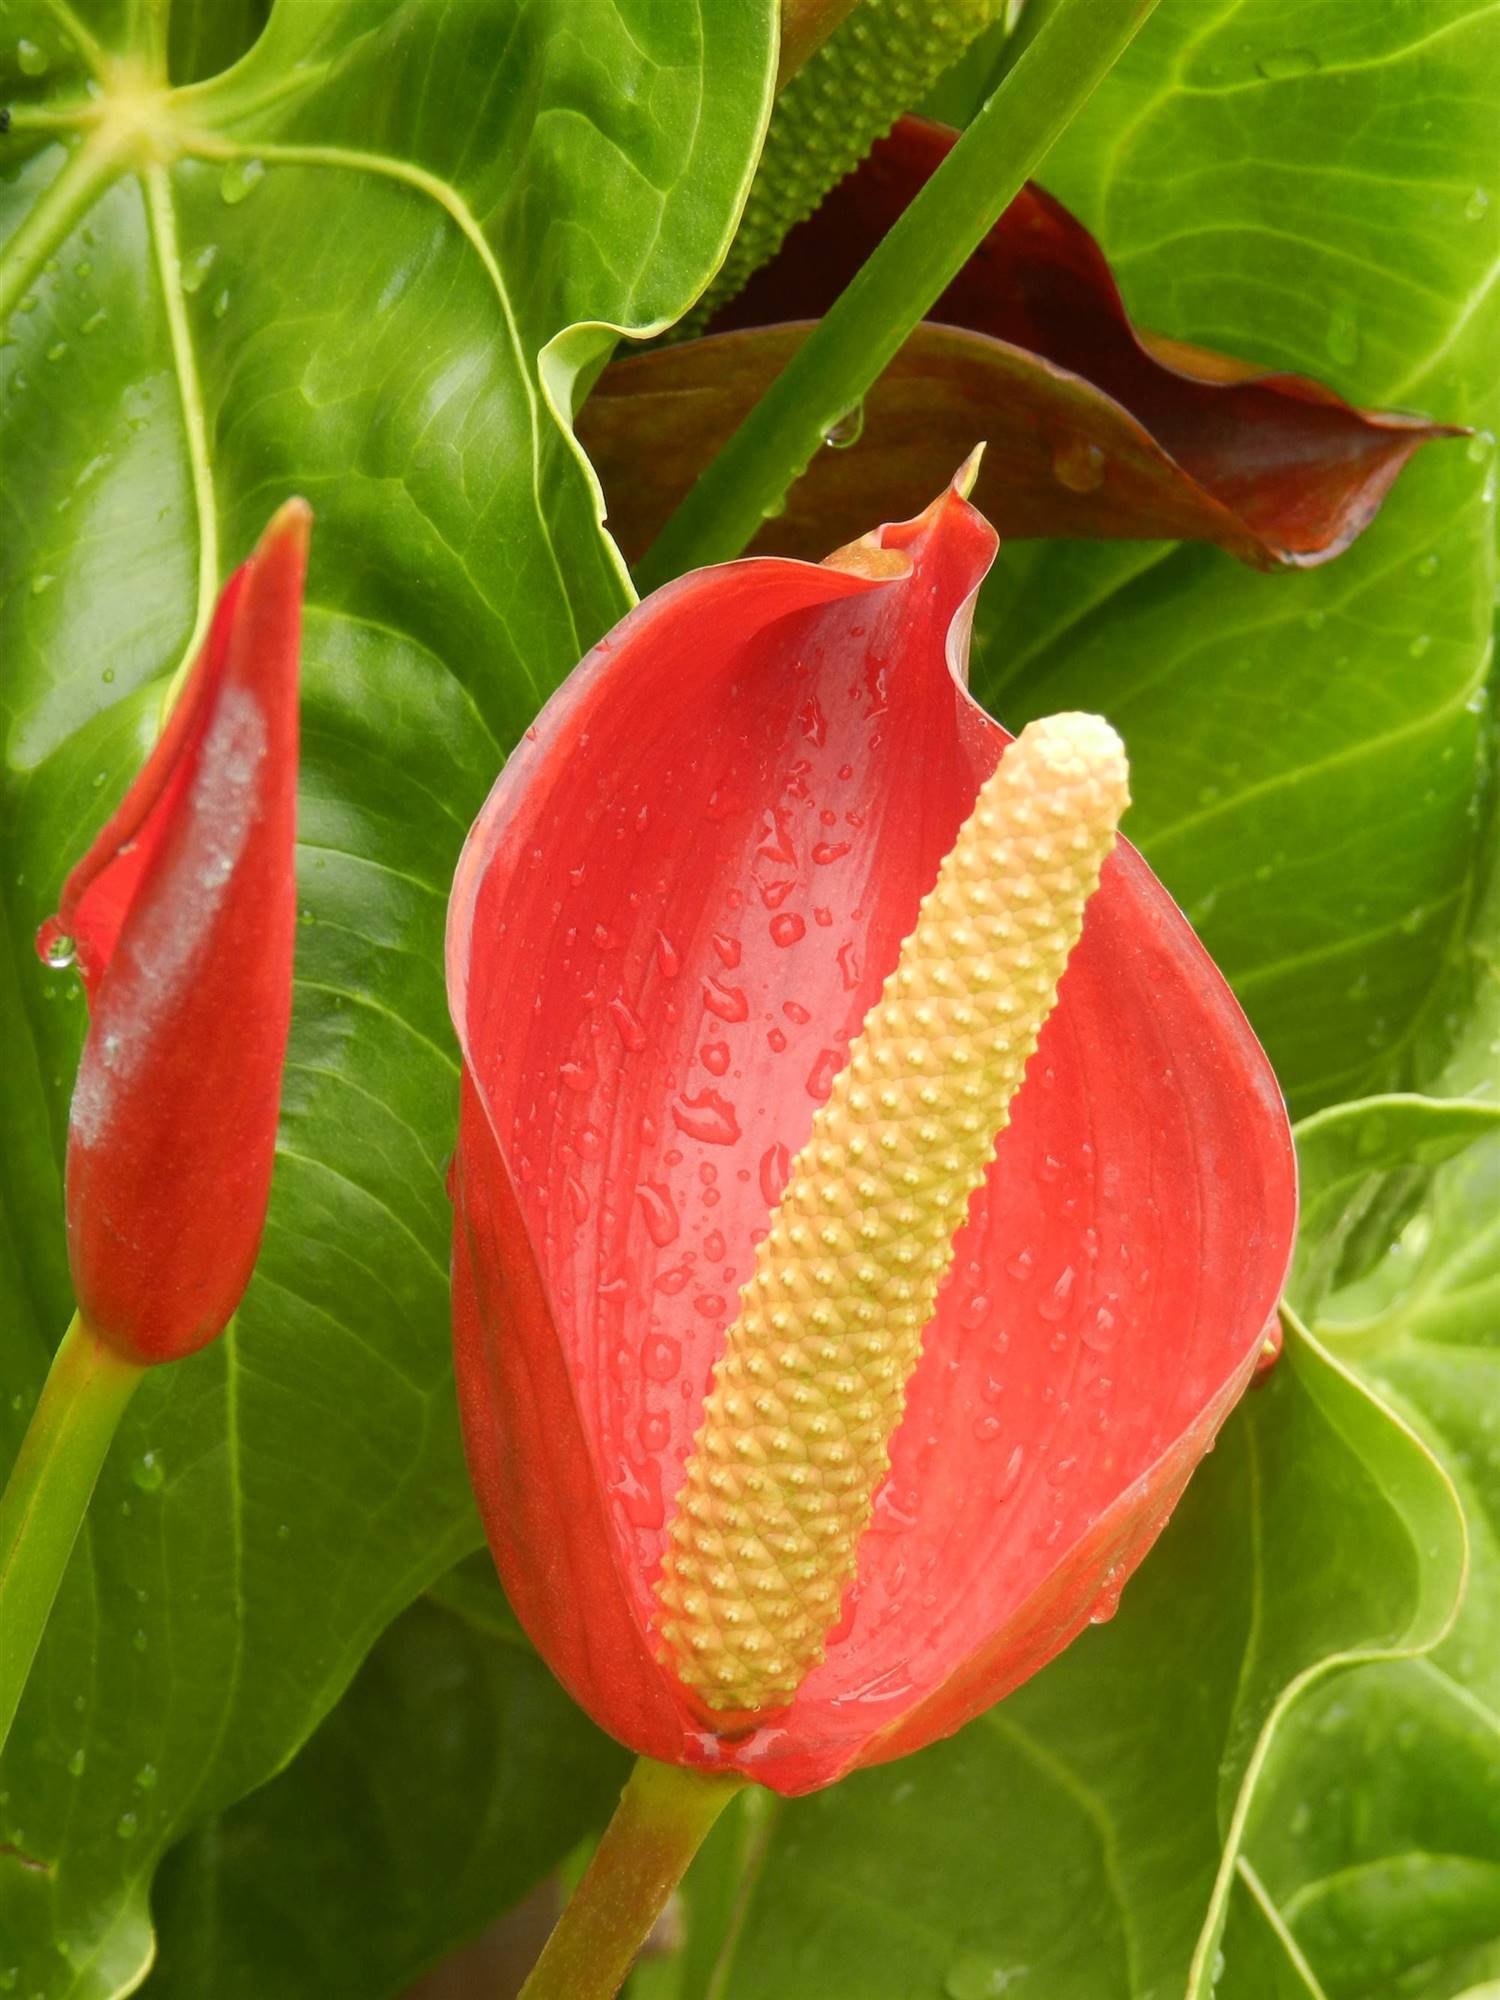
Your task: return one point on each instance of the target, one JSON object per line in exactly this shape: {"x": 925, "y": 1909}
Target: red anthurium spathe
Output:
{"x": 182, "y": 916}
{"x": 676, "y": 910}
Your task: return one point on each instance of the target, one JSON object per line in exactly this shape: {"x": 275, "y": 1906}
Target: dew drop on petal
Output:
{"x": 660, "y": 1213}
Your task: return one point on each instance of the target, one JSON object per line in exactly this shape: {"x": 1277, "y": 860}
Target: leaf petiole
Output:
{"x": 47, "y": 1495}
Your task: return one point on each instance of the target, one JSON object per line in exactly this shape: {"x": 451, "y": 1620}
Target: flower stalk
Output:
{"x": 663, "y": 1817}
{"x": 83, "y": 1399}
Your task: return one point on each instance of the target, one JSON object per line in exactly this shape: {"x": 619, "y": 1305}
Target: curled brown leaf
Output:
{"x": 1094, "y": 428}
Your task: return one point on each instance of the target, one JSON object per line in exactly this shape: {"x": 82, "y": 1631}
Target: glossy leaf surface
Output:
{"x": 1379, "y": 1835}
{"x": 340, "y": 288}
{"x": 451, "y": 1778}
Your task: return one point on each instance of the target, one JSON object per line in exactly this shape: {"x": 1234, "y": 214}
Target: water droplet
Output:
{"x": 1100, "y": 1331}
{"x": 221, "y": 305}
{"x": 986, "y": 1429}
{"x": 728, "y": 948}
{"x": 1479, "y": 447}
{"x": 820, "y": 1077}
{"x": 1420, "y": 645}
{"x": 660, "y": 1213}
{"x": 728, "y": 1002}
{"x": 145, "y": 1778}
{"x": 1056, "y": 1302}
{"x": 846, "y": 429}
{"x": 708, "y": 1117}
{"x": 56, "y": 947}
{"x": 1343, "y": 337}
{"x": 77, "y": 1762}
{"x": 775, "y": 1168}
{"x": 774, "y": 508}
{"x": 1010, "y": 1478}
{"x": 57, "y": 350}
{"x": 715, "y": 1057}
{"x": 980, "y": 1975}
{"x": 638, "y": 1490}
{"x": 197, "y": 267}
{"x": 813, "y": 721}
{"x": 1477, "y": 205}
{"x": 666, "y": 956}
{"x": 149, "y": 1472}
{"x": 42, "y": 581}
{"x": 787, "y": 928}
{"x": 31, "y": 59}
{"x": 140, "y": 1641}
{"x": 239, "y": 179}
{"x": 127, "y": 1826}
{"x": 1284, "y": 64}
{"x": 94, "y": 321}
{"x": 976, "y": 1312}
{"x": 628, "y": 1023}
{"x": 1078, "y": 465}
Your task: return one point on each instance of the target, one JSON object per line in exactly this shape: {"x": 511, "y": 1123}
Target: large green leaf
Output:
{"x": 1378, "y": 1834}
{"x": 348, "y": 268}
{"x": 1304, "y": 183}
{"x": 451, "y": 1778}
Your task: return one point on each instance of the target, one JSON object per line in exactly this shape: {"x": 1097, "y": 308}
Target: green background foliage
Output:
{"x": 376, "y": 276}
{"x": 344, "y": 287}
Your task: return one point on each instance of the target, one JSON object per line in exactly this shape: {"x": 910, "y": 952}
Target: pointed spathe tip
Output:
{"x": 290, "y": 529}
{"x": 966, "y": 475}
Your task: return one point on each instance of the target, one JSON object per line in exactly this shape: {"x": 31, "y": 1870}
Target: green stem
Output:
{"x": 52, "y": 219}
{"x": 47, "y": 1495}
{"x": 909, "y": 270}
{"x": 659, "y": 1825}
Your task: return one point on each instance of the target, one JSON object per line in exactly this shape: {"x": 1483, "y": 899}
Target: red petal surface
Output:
{"x": 1094, "y": 428}
{"x": 669, "y": 921}
{"x": 183, "y": 913}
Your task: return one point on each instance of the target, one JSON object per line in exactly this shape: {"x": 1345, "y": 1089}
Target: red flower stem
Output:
{"x": 921, "y": 255}
{"x": 47, "y": 1494}
{"x": 661, "y": 1821}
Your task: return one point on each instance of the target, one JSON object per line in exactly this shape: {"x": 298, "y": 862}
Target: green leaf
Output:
{"x": 451, "y": 1778}
{"x": 1083, "y": 1837}
{"x": 1378, "y": 1832}
{"x": 1348, "y": 1157}
{"x": 1305, "y": 186}
{"x": 359, "y": 278}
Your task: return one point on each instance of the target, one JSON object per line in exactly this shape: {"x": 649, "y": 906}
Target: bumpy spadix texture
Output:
{"x": 877, "y": 64}
{"x": 812, "y": 1383}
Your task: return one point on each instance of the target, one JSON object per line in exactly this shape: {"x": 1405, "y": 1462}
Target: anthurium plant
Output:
{"x": 750, "y": 1175}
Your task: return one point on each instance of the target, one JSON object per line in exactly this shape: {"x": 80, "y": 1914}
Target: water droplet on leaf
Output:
{"x": 239, "y": 179}
{"x": 149, "y": 1472}
{"x": 1078, "y": 465}
{"x": 846, "y": 429}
